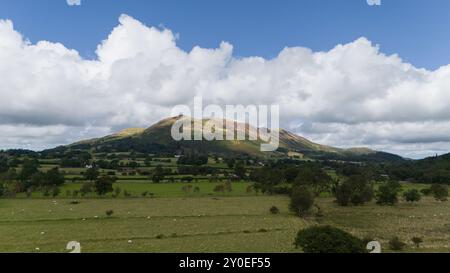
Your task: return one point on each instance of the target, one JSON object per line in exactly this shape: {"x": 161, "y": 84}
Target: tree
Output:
{"x": 315, "y": 177}
{"x": 54, "y": 177}
{"x": 327, "y": 239}
{"x": 2, "y": 189}
{"x": 412, "y": 196}
{"x": 104, "y": 184}
{"x": 158, "y": 174}
{"x": 29, "y": 167}
{"x": 91, "y": 174}
{"x": 356, "y": 190}
{"x": 387, "y": 193}
{"x": 3, "y": 164}
{"x": 302, "y": 200}
{"x": 239, "y": 170}
{"x": 440, "y": 192}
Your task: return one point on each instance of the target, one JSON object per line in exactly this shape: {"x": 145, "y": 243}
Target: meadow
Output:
{"x": 206, "y": 224}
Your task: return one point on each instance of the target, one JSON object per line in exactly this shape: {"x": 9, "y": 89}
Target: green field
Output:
{"x": 158, "y": 190}
{"x": 206, "y": 224}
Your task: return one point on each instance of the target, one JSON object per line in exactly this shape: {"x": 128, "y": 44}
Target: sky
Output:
{"x": 344, "y": 73}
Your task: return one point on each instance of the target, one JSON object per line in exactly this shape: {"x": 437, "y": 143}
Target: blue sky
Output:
{"x": 416, "y": 30}
{"x": 338, "y": 89}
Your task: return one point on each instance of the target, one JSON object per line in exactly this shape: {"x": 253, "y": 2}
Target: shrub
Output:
{"x": 109, "y": 212}
{"x": 126, "y": 193}
{"x": 144, "y": 194}
{"x": 263, "y": 230}
{"x": 396, "y": 244}
{"x": 302, "y": 199}
{"x": 425, "y": 192}
{"x": 55, "y": 191}
{"x": 74, "y": 202}
{"x": 117, "y": 191}
{"x": 440, "y": 192}
{"x": 412, "y": 195}
{"x": 388, "y": 193}
{"x": 274, "y": 210}
{"x": 416, "y": 241}
{"x": 327, "y": 239}
{"x": 160, "y": 236}
{"x": 46, "y": 192}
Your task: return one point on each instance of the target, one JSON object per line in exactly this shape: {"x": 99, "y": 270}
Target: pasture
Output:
{"x": 206, "y": 224}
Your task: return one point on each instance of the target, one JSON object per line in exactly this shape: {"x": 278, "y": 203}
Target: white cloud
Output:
{"x": 74, "y": 2}
{"x": 352, "y": 95}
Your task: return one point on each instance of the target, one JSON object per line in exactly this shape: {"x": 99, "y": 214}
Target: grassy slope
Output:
{"x": 225, "y": 224}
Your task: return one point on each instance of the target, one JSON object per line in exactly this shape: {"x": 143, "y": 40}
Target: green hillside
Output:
{"x": 157, "y": 139}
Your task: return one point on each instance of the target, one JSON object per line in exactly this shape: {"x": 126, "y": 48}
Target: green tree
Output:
{"x": 327, "y": 239}
{"x": 104, "y": 184}
{"x": 387, "y": 193}
{"x": 91, "y": 174}
{"x": 158, "y": 174}
{"x": 239, "y": 170}
{"x": 29, "y": 167}
{"x": 314, "y": 177}
{"x": 2, "y": 189}
{"x": 355, "y": 190}
{"x": 440, "y": 192}
{"x": 54, "y": 177}
{"x": 302, "y": 199}
{"x": 4, "y": 167}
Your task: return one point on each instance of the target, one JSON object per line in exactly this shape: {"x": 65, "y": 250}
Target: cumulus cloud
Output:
{"x": 351, "y": 95}
{"x": 74, "y": 2}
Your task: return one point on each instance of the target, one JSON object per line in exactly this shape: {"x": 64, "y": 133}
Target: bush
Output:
{"x": 425, "y": 192}
{"x": 159, "y": 236}
{"x": 274, "y": 210}
{"x": 55, "y": 191}
{"x": 388, "y": 192}
{"x": 396, "y": 244}
{"x": 416, "y": 241}
{"x": 412, "y": 196}
{"x": 109, "y": 212}
{"x": 302, "y": 200}
{"x": 440, "y": 192}
{"x": 327, "y": 239}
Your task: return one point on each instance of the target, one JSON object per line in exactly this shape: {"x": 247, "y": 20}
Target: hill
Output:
{"x": 157, "y": 139}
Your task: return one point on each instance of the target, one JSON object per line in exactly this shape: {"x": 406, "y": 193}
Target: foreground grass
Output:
{"x": 428, "y": 219}
{"x": 206, "y": 224}
{"x": 231, "y": 224}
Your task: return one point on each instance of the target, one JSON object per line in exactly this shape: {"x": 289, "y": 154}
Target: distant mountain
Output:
{"x": 157, "y": 139}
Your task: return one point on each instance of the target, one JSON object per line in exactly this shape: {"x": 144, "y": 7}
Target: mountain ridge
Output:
{"x": 157, "y": 138}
